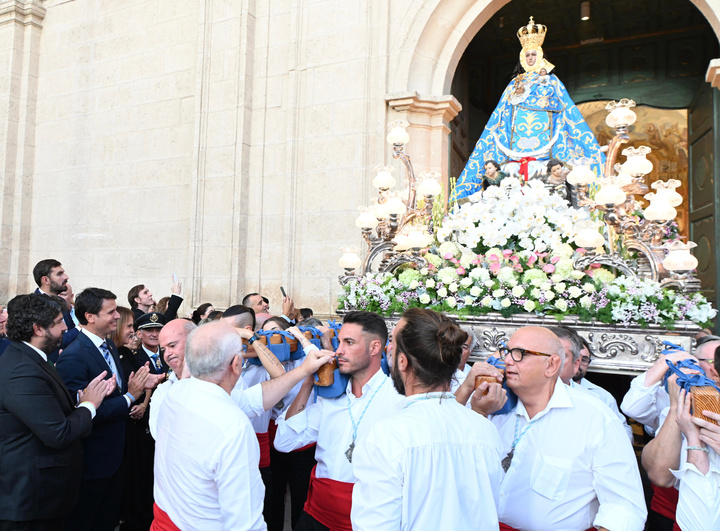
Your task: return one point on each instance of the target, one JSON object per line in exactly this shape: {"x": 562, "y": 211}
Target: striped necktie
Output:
{"x": 111, "y": 363}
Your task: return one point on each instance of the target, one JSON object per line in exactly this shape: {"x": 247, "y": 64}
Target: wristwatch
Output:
{"x": 254, "y": 338}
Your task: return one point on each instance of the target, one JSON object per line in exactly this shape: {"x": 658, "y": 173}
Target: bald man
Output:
{"x": 569, "y": 464}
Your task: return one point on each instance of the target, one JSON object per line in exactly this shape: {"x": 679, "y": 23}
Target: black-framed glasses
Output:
{"x": 517, "y": 353}
{"x": 585, "y": 360}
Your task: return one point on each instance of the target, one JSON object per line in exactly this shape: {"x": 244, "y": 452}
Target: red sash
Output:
{"x": 505, "y": 527}
{"x": 329, "y": 502}
{"x": 664, "y": 502}
{"x": 524, "y": 166}
{"x": 264, "y": 441}
{"x": 162, "y": 521}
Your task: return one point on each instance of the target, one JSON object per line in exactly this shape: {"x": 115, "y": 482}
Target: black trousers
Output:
{"x": 289, "y": 470}
{"x": 55, "y": 524}
{"x": 266, "y": 476}
{"x": 137, "y": 498}
{"x": 308, "y": 523}
{"x": 98, "y": 508}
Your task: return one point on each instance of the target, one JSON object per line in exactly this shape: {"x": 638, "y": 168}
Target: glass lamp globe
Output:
{"x": 384, "y": 179}
{"x": 402, "y": 242}
{"x": 610, "y": 194}
{"x": 366, "y": 220}
{"x": 666, "y": 190}
{"x": 349, "y": 259}
{"x": 395, "y": 205}
{"x": 398, "y": 134}
{"x": 581, "y": 175}
{"x": 430, "y": 185}
{"x": 679, "y": 257}
{"x": 637, "y": 162}
{"x": 621, "y": 113}
{"x": 659, "y": 209}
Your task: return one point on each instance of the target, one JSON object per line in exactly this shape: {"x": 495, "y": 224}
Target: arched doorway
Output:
{"x": 677, "y": 40}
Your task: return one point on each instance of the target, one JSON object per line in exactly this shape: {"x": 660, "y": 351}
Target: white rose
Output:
{"x": 518, "y": 291}
{"x": 487, "y": 301}
{"x": 549, "y": 295}
{"x": 475, "y": 291}
{"x": 453, "y": 287}
{"x": 505, "y": 303}
{"x": 529, "y": 306}
{"x": 450, "y": 301}
{"x": 468, "y": 301}
{"x": 574, "y": 292}
{"x": 430, "y": 283}
{"x": 489, "y": 283}
{"x": 546, "y": 286}
{"x": 498, "y": 293}
{"x": 589, "y": 287}
{"x": 535, "y": 293}
{"x": 442, "y": 292}
{"x": 424, "y": 298}
{"x": 561, "y": 305}
{"x": 413, "y": 284}
{"x": 465, "y": 282}
{"x": 586, "y": 301}
{"x": 424, "y": 271}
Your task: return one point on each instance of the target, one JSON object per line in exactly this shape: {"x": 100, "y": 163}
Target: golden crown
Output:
{"x": 532, "y": 35}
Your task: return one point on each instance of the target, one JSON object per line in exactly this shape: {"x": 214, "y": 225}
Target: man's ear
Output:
{"x": 236, "y": 365}
{"x": 402, "y": 362}
{"x": 553, "y": 366}
{"x": 38, "y": 330}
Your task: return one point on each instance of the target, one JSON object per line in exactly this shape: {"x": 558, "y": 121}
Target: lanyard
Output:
{"x": 355, "y": 425}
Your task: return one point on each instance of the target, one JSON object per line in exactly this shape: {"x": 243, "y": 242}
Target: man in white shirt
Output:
{"x": 436, "y": 464}
{"x": 206, "y": 458}
{"x": 339, "y": 424}
{"x": 463, "y": 369}
{"x": 574, "y": 352}
{"x": 568, "y": 462}
{"x": 698, "y": 506}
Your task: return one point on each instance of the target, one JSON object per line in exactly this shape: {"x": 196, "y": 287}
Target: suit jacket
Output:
{"x": 172, "y": 308}
{"x": 40, "y": 432}
{"x": 78, "y": 364}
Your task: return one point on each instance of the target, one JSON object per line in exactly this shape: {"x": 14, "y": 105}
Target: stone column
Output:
{"x": 429, "y": 118}
{"x": 20, "y": 25}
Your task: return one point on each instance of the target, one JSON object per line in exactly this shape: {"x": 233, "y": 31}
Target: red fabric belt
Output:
{"x": 524, "y": 166}
{"x": 329, "y": 502}
{"x": 505, "y": 527}
{"x": 264, "y": 441}
{"x": 162, "y": 521}
{"x": 664, "y": 501}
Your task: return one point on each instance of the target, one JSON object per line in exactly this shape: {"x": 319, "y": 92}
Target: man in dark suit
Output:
{"x": 52, "y": 280}
{"x": 40, "y": 425}
{"x": 90, "y": 354}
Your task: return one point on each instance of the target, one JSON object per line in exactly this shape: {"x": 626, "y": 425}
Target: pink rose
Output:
{"x": 460, "y": 270}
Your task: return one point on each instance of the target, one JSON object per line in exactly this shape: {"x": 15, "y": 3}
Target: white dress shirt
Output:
{"x": 458, "y": 378}
{"x": 609, "y": 400}
{"x": 328, "y": 423}
{"x": 435, "y": 465}
{"x": 206, "y": 460}
{"x": 250, "y": 400}
{"x": 698, "y": 506}
{"x": 644, "y": 403}
{"x": 254, "y": 375}
{"x": 572, "y": 469}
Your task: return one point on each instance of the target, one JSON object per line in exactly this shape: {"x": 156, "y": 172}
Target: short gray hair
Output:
{"x": 210, "y": 349}
{"x": 576, "y": 344}
{"x": 469, "y": 331}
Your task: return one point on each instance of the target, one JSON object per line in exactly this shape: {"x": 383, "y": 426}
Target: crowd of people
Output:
{"x": 139, "y": 418}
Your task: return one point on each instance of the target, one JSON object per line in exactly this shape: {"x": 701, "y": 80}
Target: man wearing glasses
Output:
{"x": 568, "y": 462}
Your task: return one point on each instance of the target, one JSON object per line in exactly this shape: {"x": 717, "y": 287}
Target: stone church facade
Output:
{"x": 226, "y": 141}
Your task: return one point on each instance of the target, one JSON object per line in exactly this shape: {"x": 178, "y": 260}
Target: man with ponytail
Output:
{"x": 436, "y": 464}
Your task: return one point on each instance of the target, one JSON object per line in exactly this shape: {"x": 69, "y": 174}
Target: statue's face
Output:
{"x": 531, "y": 57}
{"x": 556, "y": 170}
{"x": 490, "y": 169}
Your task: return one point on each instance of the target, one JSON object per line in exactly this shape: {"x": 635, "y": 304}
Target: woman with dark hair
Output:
{"x": 202, "y": 312}
{"x": 413, "y": 470}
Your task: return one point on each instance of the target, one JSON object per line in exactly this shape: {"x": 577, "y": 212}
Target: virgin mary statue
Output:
{"x": 534, "y": 122}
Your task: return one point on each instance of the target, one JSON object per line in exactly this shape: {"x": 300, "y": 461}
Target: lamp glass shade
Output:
{"x": 398, "y": 135}
{"x": 680, "y": 260}
{"x": 350, "y": 261}
{"x": 429, "y": 187}
{"x": 671, "y": 197}
{"x": 402, "y": 242}
{"x": 366, "y": 220}
{"x": 621, "y": 116}
{"x": 581, "y": 175}
{"x": 395, "y": 205}
{"x": 610, "y": 194}
{"x": 384, "y": 179}
{"x": 637, "y": 165}
{"x": 589, "y": 238}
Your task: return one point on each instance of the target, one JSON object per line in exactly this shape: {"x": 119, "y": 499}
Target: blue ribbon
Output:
{"x": 670, "y": 348}
{"x": 335, "y": 326}
{"x": 281, "y": 350}
{"x": 316, "y": 335}
{"x": 688, "y": 381}
{"x": 337, "y": 388}
{"x": 512, "y": 397}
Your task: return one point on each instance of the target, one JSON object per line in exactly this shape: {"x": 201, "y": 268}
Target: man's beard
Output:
{"x": 397, "y": 380}
{"x": 57, "y": 289}
{"x": 51, "y": 344}
{"x": 579, "y": 375}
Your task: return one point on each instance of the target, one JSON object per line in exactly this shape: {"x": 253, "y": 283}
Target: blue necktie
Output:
{"x": 111, "y": 363}
{"x": 156, "y": 361}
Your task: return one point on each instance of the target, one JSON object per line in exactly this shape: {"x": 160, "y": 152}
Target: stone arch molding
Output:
{"x": 430, "y": 43}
